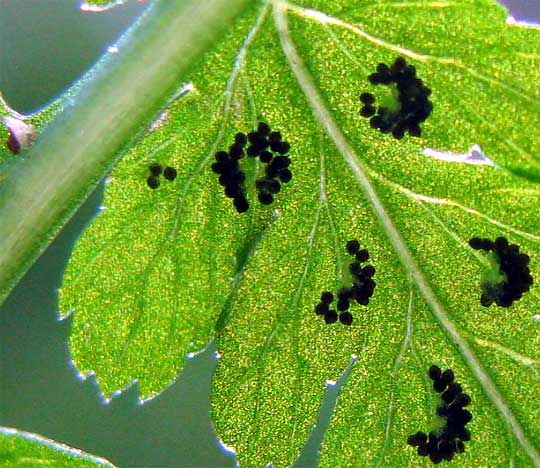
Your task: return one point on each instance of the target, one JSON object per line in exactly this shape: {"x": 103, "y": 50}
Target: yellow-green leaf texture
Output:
{"x": 160, "y": 272}
{"x": 25, "y": 450}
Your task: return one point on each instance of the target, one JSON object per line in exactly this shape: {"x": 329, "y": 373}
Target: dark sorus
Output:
{"x": 449, "y": 437}
{"x": 361, "y": 289}
{"x": 169, "y": 173}
{"x": 153, "y": 182}
{"x": 408, "y": 106}
{"x": 156, "y": 170}
{"x": 509, "y": 278}
{"x": 231, "y": 177}
{"x": 271, "y": 149}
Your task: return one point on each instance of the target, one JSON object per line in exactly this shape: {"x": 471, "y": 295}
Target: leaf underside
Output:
{"x": 159, "y": 272}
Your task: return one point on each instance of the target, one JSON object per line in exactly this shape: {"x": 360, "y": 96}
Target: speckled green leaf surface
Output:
{"x": 22, "y": 449}
{"x": 159, "y": 272}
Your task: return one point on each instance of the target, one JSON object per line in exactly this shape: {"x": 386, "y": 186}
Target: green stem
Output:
{"x": 112, "y": 103}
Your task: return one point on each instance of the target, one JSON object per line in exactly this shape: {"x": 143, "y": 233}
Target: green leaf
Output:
{"x": 159, "y": 269}
{"x": 23, "y": 449}
{"x": 160, "y": 296}
{"x": 43, "y": 188}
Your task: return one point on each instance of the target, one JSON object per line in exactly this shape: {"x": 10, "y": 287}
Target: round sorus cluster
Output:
{"x": 169, "y": 173}
{"x": 270, "y": 149}
{"x": 156, "y": 170}
{"x": 21, "y": 134}
{"x": 360, "y": 291}
{"x": 412, "y": 107}
{"x": 444, "y": 443}
{"x": 264, "y": 139}
{"x": 323, "y": 308}
{"x": 513, "y": 269}
{"x": 231, "y": 176}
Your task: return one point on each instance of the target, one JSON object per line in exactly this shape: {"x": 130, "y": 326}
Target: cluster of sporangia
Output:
{"x": 513, "y": 266}
{"x": 360, "y": 291}
{"x": 413, "y": 107}
{"x": 155, "y": 172}
{"x": 443, "y": 444}
{"x": 269, "y": 147}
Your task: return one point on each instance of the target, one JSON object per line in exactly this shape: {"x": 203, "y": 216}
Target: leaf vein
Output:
{"x": 322, "y": 114}
{"x": 397, "y": 364}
